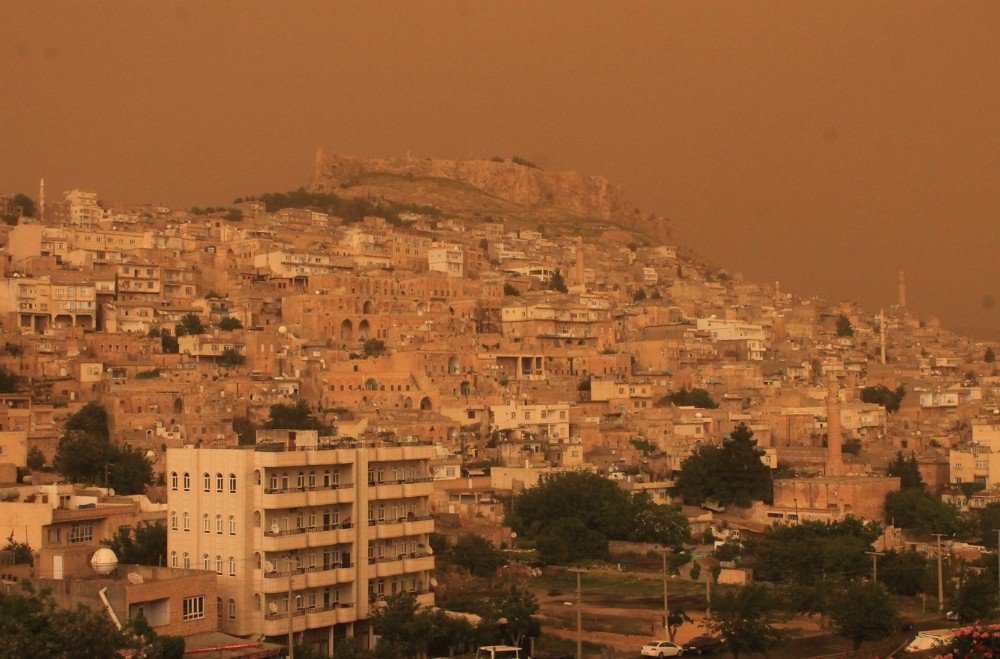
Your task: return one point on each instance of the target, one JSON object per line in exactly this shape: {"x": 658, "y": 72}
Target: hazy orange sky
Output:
{"x": 827, "y": 145}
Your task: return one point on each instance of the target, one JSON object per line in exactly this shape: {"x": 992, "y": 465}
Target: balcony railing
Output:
{"x": 309, "y": 529}
{"x": 391, "y": 559}
{"x": 378, "y": 522}
{"x": 308, "y": 488}
{"x": 314, "y": 609}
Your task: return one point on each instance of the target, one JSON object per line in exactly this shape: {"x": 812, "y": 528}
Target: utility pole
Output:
{"x": 998, "y": 559}
{"x": 291, "y": 616}
{"x": 579, "y": 619}
{"x": 940, "y": 575}
{"x": 875, "y": 555}
{"x": 708, "y": 595}
{"x": 666, "y": 599}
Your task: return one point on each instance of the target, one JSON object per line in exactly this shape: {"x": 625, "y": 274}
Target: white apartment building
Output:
{"x": 551, "y": 420}
{"x": 448, "y": 259}
{"x": 304, "y": 535}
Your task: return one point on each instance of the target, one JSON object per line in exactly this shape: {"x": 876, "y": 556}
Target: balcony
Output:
{"x": 412, "y": 487}
{"x": 321, "y": 536}
{"x": 300, "y": 497}
{"x": 277, "y": 582}
{"x": 276, "y": 624}
{"x": 318, "y": 457}
{"x": 401, "y": 527}
{"x": 402, "y": 564}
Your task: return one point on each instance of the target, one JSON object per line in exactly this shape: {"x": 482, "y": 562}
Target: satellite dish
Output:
{"x": 275, "y": 529}
{"x": 272, "y": 607}
{"x": 268, "y": 566}
{"x": 434, "y": 582}
{"x": 134, "y": 578}
{"x": 104, "y": 561}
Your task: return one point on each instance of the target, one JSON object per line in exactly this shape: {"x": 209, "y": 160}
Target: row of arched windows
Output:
{"x": 206, "y": 524}
{"x": 206, "y": 562}
{"x": 206, "y": 482}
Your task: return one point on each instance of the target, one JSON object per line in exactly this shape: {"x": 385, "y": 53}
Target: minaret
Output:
{"x": 41, "y": 201}
{"x": 902, "y": 290}
{"x": 834, "y": 434}
{"x": 579, "y": 264}
{"x": 881, "y": 332}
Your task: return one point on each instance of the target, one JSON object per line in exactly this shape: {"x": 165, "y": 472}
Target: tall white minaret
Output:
{"x": 834, "y": 433}
{"x": 881, "y": 332}
{"x": 902, "y": 289}
{"x": 41, "y": 200}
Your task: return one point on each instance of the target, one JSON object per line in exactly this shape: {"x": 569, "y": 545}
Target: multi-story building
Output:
{"x": 305, "y": 535}
{"x": 448, "y": 259}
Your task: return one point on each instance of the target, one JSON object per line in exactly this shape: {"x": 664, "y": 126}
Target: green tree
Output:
{"x": 402, "y": 630}
{"x": 26, "y": 203}
{"x": 246, "y": 431}
{"x": 32, "y": 626}
{"x": 10, "y": 383}
{"x": 864, "y": 612}
{"x": 851, "y": 446}
{"x": 903, "y": 572}
{"x": 477, "y": 555}
{"x": 169, "y": 344}
{"x": 142, "y": 544}
{"x": 907, "y": 469}
{"x": 657, "y": 523}
{"x": 568, "y": 540}
{"x": 557, "y": 283}
{"x": 234, "y": 215}
{"x": 92, "y": 419}
{"x": 844, "y": 327}
{"x": 677, "y": 618}
{"x": 639, "y": 295}
{"x": 921, "y": 512}
{"x": 20, "y": 552}
{"x": 129, "y": 470}
{"x": 989, "y": 356}
{"x": 694, "y": 398}
{"x": 988, "y": 521}
{"x": 295, "y": 417}
{"x": 228, "y": 324}
{"x": 518, "y": 607}
{"x": 35, "y": 460}
{"x": 190, "y": 325}
{"x": 976, "y": 598}
{"x": 232, "y": 357}
{"x": 744, "y": 618}
{"x": 373, "y": 348}
{"x": 732, "y": 473}
{"x": 510, "y": 290}
{"x": 882, "y": 395}
{"x": 81, "y": 456}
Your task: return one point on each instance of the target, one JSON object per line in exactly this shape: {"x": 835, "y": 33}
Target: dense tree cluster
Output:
{"x": 86, "y": 454}
{"x": 907, "y": 469}
{"x": 882, "y": 395}
{"x": 295, "y": 417}
{"x": 689, "y": 398}
{"x": 572, "y": 515}
{"x": 844, "y": 327}
{"x": 143, "y": 544}
{"x": 730, "y": 473}
{"x": 10, "y": 383}
{"x": 350, "y": 210}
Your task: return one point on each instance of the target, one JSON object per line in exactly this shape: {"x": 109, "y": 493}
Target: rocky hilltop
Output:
{"x": 491, "y": 186}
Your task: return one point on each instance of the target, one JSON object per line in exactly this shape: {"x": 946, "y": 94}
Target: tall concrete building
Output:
{"x": 304, "y": 535}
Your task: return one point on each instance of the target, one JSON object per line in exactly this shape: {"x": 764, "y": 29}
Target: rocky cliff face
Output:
{"x": 589, "y": 197}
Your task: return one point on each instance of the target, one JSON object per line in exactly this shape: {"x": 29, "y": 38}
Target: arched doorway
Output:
{"x": 347, "y": 330}
{"x": 453, "y": 365}
{"x": 425, "y": 403}
{"x": 363, "y": 329}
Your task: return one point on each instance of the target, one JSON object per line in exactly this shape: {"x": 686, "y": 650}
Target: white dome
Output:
{"x": 282, "y": 330}
{"x": 104, "y": 561}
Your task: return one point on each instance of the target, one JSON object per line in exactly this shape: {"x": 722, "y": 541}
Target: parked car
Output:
{"x": 500, "y": 652}
{"x": 661, "y": 649}
{"x": 702, "y": 645}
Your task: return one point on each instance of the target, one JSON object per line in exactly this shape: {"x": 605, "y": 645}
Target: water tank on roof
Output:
{"x": 104, "y": 561}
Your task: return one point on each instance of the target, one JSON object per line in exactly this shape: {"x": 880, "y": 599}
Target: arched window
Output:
{"x": 218, "y": 482}
{"x": 206, "y": 562}
{"x": 272, "y": 482}
{"x": 205, "y": 525}
{"x": 256, "y": 559}
{"x": 187, "y": 522}
{"x": 173, "y": 559}
{"x": 173, "y": 521}
{"x": 218, "y": 524}
{"x": 232, "y": 608}
{"x": 232, "y": 483}
{"x": 232, "y": 566}
{"x": 232, "y": 525}
{"x": 257, "y": 477}
{"x": 312, "y": 480}
{"x": 206, "y": 482}
{"x": 256, "y": 602}
{"x": 173, "y": 480}
{"x": 218, "y": 606}
{"x": 218, "y": 564}
{"x": 187, "y": 561}
{"x": 300, "y": 482}
{"x": 187, "y": 481}
{"x": 256, "y": 519}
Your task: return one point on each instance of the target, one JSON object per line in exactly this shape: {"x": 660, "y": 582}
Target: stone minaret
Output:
{"x": 41, "y": 201}
{"x": 579, "y": 264}
{"x": 902, "y": 290}
{"x": 834, "y": 434}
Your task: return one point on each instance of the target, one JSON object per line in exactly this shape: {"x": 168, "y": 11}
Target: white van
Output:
{"x": 500, "y": 652}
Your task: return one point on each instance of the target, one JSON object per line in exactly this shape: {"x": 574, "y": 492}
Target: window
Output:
{"x": 218, "y": 564}
{"x": 81, "y": 533}
{"x": 173, "y": 559}
{"x": 273, "y": 482}
{"x": 206, "y": 482}
{"x": 173, "y": 480}
{"x": 232, "y": 566}
{"x": 301, "y": 481}
{"x": 206, "y": 526}
{"x": 187, "y": 481}
{"x": 173, "y": 521}
{"x": 218, "y": 524}
{"x": 187, "y": 522}
{"x": 194, "y": 608}
{"x": 232, "y": 608}
{"x": 232, "y": 483}
{"x": 187, "y": 561}
{"x": 218, "y": 482}
{"x": 232, "y": 525}
{"x": 206, "y": 562}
